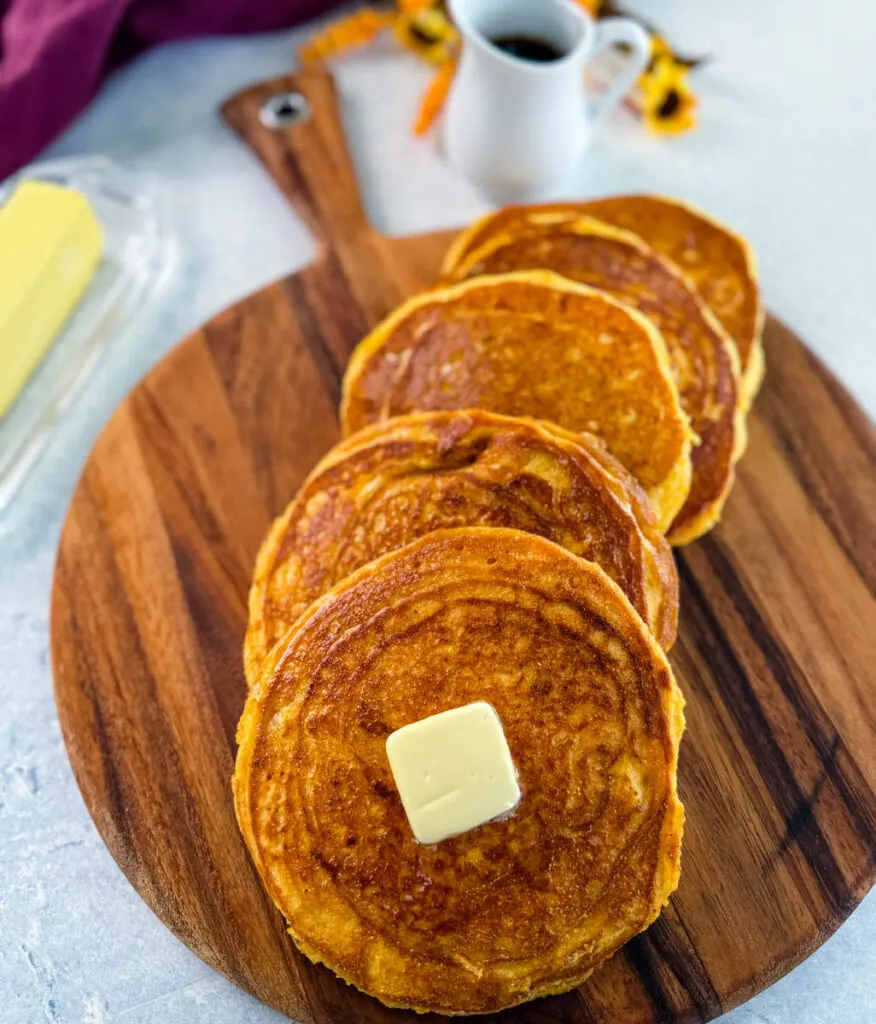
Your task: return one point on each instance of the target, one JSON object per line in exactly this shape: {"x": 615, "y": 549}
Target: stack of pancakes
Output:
{"x": 522, "y": 445}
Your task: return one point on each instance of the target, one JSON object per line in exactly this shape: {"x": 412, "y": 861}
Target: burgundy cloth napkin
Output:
{"x": 55, "y": 53}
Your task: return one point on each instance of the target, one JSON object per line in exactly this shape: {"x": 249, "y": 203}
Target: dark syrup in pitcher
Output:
{"x": 542, "y": 51}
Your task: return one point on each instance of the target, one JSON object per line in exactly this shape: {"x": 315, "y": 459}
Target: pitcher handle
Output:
{"x": 610, "y": 31}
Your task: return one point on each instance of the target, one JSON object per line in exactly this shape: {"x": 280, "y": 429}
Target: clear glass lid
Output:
{"x": 135, "y": 268}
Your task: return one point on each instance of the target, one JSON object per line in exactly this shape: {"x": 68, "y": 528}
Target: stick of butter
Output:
{"x": 453, "y": 771}
{"x": 50, "y": 245}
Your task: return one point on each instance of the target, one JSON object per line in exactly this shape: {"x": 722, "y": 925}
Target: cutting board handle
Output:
{"x": 293, "y": 124}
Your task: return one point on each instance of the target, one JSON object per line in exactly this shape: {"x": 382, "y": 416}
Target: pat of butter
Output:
{"x": 50, "y": 245}
{"x": 453, "y": 771}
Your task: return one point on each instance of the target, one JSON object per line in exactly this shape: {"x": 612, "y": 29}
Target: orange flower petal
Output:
{"x": 434, "y": 97}
{"x": 354, "y": 30}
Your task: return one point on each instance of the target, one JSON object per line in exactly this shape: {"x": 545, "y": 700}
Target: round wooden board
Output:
{"x": 775, "y": 654}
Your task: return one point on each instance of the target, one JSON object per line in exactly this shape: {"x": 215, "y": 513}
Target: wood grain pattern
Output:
{"x": 775, "y": 655}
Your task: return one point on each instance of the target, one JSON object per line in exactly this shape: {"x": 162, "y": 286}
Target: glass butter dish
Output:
{"x": 139, "y": 253}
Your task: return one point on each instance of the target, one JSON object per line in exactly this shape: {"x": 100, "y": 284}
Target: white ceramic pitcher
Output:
{"x": 518, "y": 127}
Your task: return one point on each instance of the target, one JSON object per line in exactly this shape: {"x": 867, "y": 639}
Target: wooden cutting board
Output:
{"x": 776, "y": 653}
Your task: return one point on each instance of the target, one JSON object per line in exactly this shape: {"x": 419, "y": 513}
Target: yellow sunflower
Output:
{"x": 666, "y": 101}
{"x": 423, "y": 27}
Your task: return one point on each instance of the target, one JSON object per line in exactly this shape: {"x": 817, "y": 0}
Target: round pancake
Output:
{"x": 521, "y": 906}
{"x": 720, "y": 262}
{"x": 532, "y": 344}
{"x": 397, "y": 481}
{"x": 702, "y": 355}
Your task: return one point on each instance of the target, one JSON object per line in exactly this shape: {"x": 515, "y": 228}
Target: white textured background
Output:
{"x": 786, "y": 152}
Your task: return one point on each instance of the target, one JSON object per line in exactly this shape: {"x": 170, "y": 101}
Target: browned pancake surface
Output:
{"x": 702, "y": 356}
{"x": 532, "y": 345}
{"x": 518, "y": 907}
{"x": 719, "y": 262}
{"x": 396, "y": 481}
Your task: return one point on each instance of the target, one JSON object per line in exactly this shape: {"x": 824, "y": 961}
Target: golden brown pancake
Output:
{"x": 521, "y": 906}
{"x": 536, "y": 345}
{"x": 702, "y": 355}
{"x": 396, "y": 481}
{"x": 719, "y": 262}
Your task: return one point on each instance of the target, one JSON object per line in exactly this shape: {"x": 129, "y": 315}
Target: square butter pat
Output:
{"x": 453, "y": 771}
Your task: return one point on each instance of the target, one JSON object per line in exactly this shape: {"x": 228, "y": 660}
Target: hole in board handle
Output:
{"x": 284, "y": 109}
